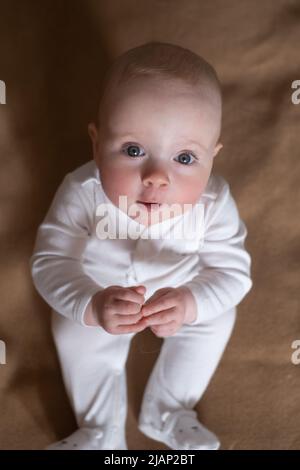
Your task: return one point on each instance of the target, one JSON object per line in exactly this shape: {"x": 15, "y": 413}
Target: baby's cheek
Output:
{"x": 195, "y": 186}
{"x": 196, "y": 190}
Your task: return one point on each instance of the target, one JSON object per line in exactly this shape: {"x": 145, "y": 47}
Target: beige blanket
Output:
{"x": 52, "y": 55}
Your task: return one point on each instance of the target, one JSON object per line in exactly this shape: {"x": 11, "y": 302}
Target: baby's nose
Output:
{"x": 156, "y": 178}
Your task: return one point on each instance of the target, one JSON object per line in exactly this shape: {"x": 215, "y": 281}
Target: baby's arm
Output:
{"x": 225, "y": 278}
{"x": 56, "y": 266}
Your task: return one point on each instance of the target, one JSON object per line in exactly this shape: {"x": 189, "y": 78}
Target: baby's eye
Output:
{"x": 133, "y": 151}
{"x": 185, "y": 158}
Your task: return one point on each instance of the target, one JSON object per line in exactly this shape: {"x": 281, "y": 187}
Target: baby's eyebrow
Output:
{"x": 130, "y": 136}
{"x": 124, "y": 136}
{"x": 194, "y": 143}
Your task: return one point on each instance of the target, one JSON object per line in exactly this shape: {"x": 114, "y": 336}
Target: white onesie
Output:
{"x": 70, "y": 263}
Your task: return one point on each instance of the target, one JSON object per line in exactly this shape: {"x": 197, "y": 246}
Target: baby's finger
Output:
{"x": 157, "y": 294}
{"x": 136, "y": 328}
{"x": 126, "y": 293}
{"x": 127, "y": 319}
{"x": 165, "y": 330}
{"x": 161, "y": 317}
{"x": 139, "y": 289}
{"x": 123, "y": 307}
{"x": 162, "y": 303}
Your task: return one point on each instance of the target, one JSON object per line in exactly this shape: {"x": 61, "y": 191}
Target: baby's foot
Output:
{"x": 84, "y": 439}
{"x": 181, "y": 430}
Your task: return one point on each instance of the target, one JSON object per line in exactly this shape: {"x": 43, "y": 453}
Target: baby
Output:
{"x": 110, "y": 270}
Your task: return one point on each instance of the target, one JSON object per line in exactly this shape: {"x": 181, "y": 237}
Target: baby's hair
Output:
{"x": 160, "y": 60}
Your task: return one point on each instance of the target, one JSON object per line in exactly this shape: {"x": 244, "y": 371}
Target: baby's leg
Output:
{"x": 93, "y": 364}
{"x": 184, "y": 368}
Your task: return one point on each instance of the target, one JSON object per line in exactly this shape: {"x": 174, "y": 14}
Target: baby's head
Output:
{"x": 158, "y": 128}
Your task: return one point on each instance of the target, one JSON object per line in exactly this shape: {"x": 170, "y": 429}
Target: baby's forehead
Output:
{"x": 158, "y": 91}
{"x": 142, "y": 105}
{"x": 165, "y": 84}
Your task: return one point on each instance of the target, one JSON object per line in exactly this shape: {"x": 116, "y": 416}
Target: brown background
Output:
{"x": 52, "y": 56}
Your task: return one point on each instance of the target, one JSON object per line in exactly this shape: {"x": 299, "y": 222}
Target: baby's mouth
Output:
{"x": 150, "y": 206}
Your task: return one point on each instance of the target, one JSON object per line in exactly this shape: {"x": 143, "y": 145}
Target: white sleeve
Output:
{"x": 224, "y": 277}
{"x": 56, "y": 267}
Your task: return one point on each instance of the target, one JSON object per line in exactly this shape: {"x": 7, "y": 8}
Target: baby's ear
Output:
{"x": 93, "y": 133}
{"x": 217, "y": 148}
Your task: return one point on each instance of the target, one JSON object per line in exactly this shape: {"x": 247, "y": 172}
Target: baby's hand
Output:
{"x": 118, "y": 309}
{"x": 168, "y": 309}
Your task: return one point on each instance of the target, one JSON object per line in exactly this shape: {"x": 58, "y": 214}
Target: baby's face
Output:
{"x": 156, "y": 143}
